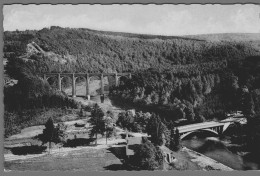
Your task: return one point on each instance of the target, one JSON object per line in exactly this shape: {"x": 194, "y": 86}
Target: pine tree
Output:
{"x": 97, "y": 121}
{"x": 189, "y": 113}
{"x": 52, "y": 133}
{"x": 158, "y": 131}
{"x": 172, "y": 142}
{"x": 247, "y": 103}
{"x": 175, "y": 139}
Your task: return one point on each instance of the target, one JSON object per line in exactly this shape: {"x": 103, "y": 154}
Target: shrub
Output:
{"x": 147, "y": 157}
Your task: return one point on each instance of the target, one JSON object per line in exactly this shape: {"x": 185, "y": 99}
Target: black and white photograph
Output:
{"x": 131, "y": 87}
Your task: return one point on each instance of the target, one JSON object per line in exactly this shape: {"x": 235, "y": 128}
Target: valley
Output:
{"x": 175, "y": 81}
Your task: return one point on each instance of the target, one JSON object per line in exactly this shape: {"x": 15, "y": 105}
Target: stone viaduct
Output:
{"x": 86, "y": 76}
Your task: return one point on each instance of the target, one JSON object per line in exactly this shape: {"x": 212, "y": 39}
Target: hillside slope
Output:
{"x": 88, "y": 50}
{"x": 185, "y": 77}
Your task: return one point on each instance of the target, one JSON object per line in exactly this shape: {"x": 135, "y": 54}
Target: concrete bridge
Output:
{"x": 86, "y": 76}
{"x": 213, "y": 127}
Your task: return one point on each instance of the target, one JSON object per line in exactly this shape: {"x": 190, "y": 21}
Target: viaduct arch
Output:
{"x": 86, "y": 76}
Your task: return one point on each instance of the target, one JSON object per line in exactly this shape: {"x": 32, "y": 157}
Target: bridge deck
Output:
{"x": 84, "y": 74}
{"x": 197, "y": 126}
{"x": 204, "y": 125}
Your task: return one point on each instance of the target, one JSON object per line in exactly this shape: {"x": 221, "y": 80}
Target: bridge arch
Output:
{"x": 105, "y": 80}
{"x": 192, "y": 132}
{"x": 50, "y": 77}
{"x": 52, "y": 80}
{"x": 81, "y": 85}
{"x": 121, "y": 79}
{"x": 80, "y": 77}
{"x": 94, "y": 77}
{"x": 66, "y": 81}
{"x": 102, "y": 81}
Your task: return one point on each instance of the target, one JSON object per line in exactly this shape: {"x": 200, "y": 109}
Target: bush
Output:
{"x": 147, "y": 157}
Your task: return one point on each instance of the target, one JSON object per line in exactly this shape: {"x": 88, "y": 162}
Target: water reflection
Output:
{"x": 217, "y": 149}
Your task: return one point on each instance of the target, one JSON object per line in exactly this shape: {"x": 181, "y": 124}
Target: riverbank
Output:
{"x": 205, "y": 162}
{"x": 220, "y": 151}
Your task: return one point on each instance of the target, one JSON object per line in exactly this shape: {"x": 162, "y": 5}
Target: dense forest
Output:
{"x": 81, "y": 50}
{"x": 210, "y": 89}
{"x": 188, "y": 77}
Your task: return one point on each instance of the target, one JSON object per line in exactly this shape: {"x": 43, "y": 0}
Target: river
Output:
{"x": 217, "y": 149}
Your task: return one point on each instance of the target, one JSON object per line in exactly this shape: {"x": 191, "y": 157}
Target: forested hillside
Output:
{"x": 189, "y": 76}
{"x": 196, "y": 92}
{"x": 79, "y": 50}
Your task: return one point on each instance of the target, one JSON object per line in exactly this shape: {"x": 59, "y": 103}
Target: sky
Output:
{"x": 165, "y": 19}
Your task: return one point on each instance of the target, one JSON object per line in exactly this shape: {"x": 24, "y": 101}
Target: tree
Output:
{"x": 141, "y": 121}
{"x": 149, "y": 157}
{"x": 109, "y": 126}
{"x": 111, "y": 114}
{"x": 200, "y": 118}
{"x": 175, "y": 139}
{"x": 125, "y": 120}
{"x": 152, "y": 127}
{"x": 52, "y": 133}
{"x": 170, "y": 125}
{"x": 159, "y": 133}
{"x": 247, "y": 103}
{"x": 189, "y": 113}
{"x": 81, "y": 112}
{"x": 253, "y": 134}
{"x": 97, "y": 121}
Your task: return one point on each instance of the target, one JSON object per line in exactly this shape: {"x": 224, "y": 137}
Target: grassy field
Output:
{"x": 80, "y": 160}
